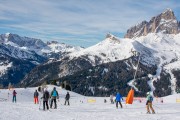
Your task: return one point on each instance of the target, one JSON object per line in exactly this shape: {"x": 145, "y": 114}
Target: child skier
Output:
{"x": 36, "y": 94}
{"x": 54, "y": 96}
{"x": 14, "y": 96}
{"x": 149, "y": 103}
{"x": 67, "y": 98}
{"x": 118, "y": 100}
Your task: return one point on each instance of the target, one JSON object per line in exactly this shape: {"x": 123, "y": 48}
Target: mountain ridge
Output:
{"x": 165, "y": 22}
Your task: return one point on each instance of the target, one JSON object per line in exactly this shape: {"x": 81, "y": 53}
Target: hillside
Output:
{"x": 19, "y": 55}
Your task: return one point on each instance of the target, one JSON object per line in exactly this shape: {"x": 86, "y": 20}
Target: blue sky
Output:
{"x": 78, "y": 22}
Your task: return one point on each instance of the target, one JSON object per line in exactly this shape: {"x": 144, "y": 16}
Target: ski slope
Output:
{"x": 25, "y": 109}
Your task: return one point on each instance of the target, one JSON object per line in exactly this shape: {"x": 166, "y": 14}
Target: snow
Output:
{"x": 169, "y": 68}
{"x": 24, "y": 47}
{"x": 81, "y": 109}
{"x": 166, "y": 53}
{"x": 168, "y": 9}
{"x": 63, "y": 48}
{"x": 4, "y": 67}
{"x": 108, "y": 50}
{"x": 131, "y": 83}
{"x": 157, "y": 49}
{"x": 105, "y": 71}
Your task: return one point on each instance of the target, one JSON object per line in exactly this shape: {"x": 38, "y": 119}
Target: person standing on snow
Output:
{"x": 149, "y": 103}
{"x": 45, "y": 99}
{"x": 14, "y": 96}
{"x": 118, "y": 100}
{"x": 36, "y": 94}
{"x": 54, "y": 96}
{"x": 67, "y": 98}
{"x": 111, "y": 99}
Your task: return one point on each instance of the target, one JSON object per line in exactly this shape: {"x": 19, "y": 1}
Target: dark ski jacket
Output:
{"x": 67, "y": 96}
{"x": 14, "y": 93}
{"x": 36, "y": 94}
{"x": 46, "y": 96}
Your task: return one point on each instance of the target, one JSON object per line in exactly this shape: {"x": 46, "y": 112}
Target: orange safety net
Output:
{"x": 129, "y": 99}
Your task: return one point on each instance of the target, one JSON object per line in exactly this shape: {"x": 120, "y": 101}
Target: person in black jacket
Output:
{"x": 67, "y": 98}
{"x": 45, "y": 99}
{"x": 36, "y": 94}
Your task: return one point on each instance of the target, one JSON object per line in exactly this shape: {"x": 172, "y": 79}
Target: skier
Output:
{"x": 14, "y": 96}
{"x": 111, "y": 99}
{"x": 67, "y": 98}
{"x": 45, "y": 99}
{"x": 105, "y": 100}
{"x": 118, "y": 100}
{"x": 54, "y": 96}
{"x": 149, "y": 103}
{"x": 36, "y": 94}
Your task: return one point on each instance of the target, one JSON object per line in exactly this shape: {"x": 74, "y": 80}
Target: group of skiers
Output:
{"x": 54, "y": 96}
{"x": 46, "y": 98}
{"x": 149, "y": 101}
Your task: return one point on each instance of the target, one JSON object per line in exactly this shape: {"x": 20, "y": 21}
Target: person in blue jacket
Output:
{"x": 118, "y": 100}
{"x": 54, "y": 96}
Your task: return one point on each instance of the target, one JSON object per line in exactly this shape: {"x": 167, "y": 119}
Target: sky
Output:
{"x": 78, "y": 22}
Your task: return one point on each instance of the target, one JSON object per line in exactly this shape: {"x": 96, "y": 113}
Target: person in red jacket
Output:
{"x": 14, "y": 96}
{"x": 36, "y": 94}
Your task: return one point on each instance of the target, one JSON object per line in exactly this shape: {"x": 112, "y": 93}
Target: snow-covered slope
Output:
{"x": 4, "y": 67}
{"x": 113, "y": 49}
{"x": 167, "y": 53}
{"x": 57, "y": 47}
{"x": 81, "y": 109}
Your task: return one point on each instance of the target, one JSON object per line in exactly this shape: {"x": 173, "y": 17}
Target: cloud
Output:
{"x": 72, "y": 20}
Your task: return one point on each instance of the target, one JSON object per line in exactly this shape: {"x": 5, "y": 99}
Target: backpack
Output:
{"x": 151, "y": 98}
{"x": 46, "y": 95}
{"x": 54, "y": 93}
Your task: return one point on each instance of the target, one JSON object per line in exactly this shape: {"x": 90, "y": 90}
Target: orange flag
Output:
{"x": 130, "y": 97}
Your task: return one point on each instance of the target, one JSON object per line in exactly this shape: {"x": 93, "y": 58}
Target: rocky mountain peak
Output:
{"x": 168, "y": 14}
{"x": 165, "y": 22}
{"x": 112, "y": 37}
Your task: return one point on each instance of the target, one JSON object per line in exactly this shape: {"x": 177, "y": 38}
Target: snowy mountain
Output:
{"x": 16, "y": 52}
{"x": 102, "y": 57}
{"x": 113, "y": 49}
{"x": 165, "y": 22}
{"x": 25, "y": 46}
{"x": 59, "y": 49}
{"x": 98, "y": 66}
